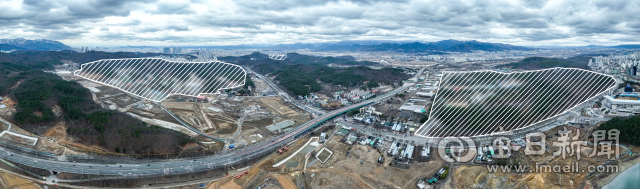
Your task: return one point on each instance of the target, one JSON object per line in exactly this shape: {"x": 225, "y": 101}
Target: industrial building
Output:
{"x": 628, "y": 101}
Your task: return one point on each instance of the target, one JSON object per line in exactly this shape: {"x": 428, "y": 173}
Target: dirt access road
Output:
{"x": 286, "y": 183}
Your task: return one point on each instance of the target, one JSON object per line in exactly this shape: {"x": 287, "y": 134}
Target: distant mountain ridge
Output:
{"x": 6, "y": 47}
{"x": 632, "y": 46}
{"x": 418, "y": 47}
{"x": 37, "y": 44}
{"x": 408, "y": 46}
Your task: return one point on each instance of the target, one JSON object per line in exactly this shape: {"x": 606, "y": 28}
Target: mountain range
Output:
{"x": 37, "y": 44}
{"x": 633, "y": 46}
{"x": 6, "y": 47}
{"x": 402, "y": 46}
{"x": 438, "y": 47}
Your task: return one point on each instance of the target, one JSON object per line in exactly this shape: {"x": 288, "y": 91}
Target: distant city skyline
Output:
{"x": 227, "y": 23}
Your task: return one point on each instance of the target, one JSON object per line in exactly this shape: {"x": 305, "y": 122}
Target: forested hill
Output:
{"x": 536, "y": 63}
{"x": 303, "y": 79}
{"x": 39, "y": 95}
{"x": 48, "y": 59}
{"x": 261, "y": 63}
{"x": 300, "y": 73}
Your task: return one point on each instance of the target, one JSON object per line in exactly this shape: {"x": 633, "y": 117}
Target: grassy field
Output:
{"x": 260, "y": 122}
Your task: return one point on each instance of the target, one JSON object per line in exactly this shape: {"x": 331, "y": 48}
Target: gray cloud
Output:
{"x": 232, "y": 22}
{"x": 174, "y": 8}
{"x": 150, "y": 29}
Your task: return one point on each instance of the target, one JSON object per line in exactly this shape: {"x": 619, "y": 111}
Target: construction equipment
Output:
{"x": 241, "y": 174}
{"x": 283, "y": 150}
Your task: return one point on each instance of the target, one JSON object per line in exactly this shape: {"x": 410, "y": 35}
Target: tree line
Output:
{"x": 629, "y": 128}
{"x": 302, "y": 79}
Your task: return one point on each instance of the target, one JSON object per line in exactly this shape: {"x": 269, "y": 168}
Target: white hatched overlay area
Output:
{"x": 156, "y": 79}
{"x": 485, "y": 102}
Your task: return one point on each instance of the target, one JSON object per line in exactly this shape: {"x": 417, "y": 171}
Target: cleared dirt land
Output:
{"x": 282, "y": 111}
{"x": 231, "y": 185}
{"x": 359, "y": 169}
{"x": 275, "y": 103}
{"x": 10, "y": 181}
{"x": 250, "y": 135}
{"x": 285, "y": 183}
{"x": 225, "y": 126}
{"x": 479, "y": 177}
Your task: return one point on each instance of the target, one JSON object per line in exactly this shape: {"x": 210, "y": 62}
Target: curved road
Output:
{"x": 185, "y": 166}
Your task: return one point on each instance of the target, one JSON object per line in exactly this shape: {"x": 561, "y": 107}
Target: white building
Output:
{"x": 622, "y": 105}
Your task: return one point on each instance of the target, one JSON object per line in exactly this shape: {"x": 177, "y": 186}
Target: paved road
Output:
{"x": 237, "y": 132}
{"x": 186, "y": 166}
{"x": 414, "y": 92}
{"x": 286, "y": 96}
{"x": 186, "y": 125}
{"x": 419, "y": 140}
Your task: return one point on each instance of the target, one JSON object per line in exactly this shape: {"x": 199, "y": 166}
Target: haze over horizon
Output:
{"x": 201, "y": 23}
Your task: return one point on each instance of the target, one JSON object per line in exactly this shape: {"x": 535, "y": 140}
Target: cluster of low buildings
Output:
{"x": 477, "y": 56}
{"x": 341, "y": 98}
{"x": 424, "y": 93}
{"x": 399, "y": 127}
{"x": 359, "y": 95}
{"x": 403, "y": 154}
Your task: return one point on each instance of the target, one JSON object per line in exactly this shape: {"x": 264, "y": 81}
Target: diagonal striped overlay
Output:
{"x": 481, "y": 102}
{"x": 156, "y": 79}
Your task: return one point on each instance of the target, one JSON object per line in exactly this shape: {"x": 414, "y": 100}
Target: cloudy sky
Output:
{"x": 233, "y": 22}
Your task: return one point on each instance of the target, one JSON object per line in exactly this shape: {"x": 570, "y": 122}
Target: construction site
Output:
{"x": 243, "y": 120}
{"x": 324, "y": 160}
{"x": 337, "y": 157}
{"x": 327, "y": 158}
{"x": 149, "y": 112}
{"x": 273, "y": 115}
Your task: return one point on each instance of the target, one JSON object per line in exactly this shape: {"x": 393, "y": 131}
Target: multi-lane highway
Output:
{"x": 186, "y": 166}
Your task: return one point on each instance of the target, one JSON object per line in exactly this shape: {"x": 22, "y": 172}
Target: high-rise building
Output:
{"x": 166, "y": 50}
{"x": 177, "y": 50}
